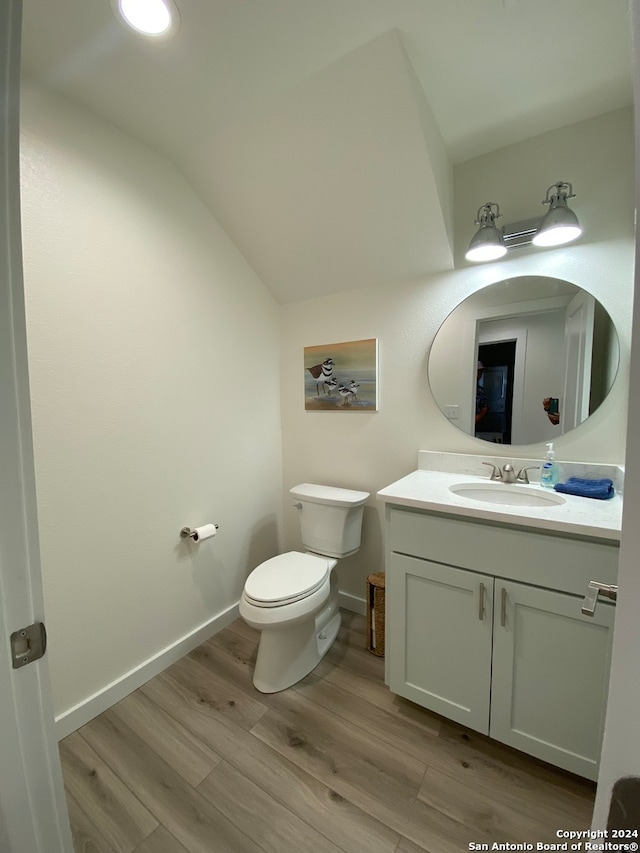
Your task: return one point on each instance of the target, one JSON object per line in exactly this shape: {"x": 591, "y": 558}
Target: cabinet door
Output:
{"x": 550, "y": 675}
{"x": 439, "y": 639}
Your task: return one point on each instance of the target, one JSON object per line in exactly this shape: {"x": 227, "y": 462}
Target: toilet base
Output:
{"x": 287, "y": 654}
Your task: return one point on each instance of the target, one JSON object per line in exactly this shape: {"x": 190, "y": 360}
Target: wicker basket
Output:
{"x": 375, "y": 613}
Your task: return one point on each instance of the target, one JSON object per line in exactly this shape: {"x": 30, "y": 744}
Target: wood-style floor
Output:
{"x": 198, "y": 761}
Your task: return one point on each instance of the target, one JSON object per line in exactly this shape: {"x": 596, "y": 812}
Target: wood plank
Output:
{"x": 355, "y": 621}
{"x": 272, "y": 825}
{"x": 228, "y": 656}
{"x": 348, "y": 653}
{"x": 354, "y": 624}
{"x": 120, "y": 820}
{"x": 331, "y": 740}
{"x": 311, "y": 690}
{"x": 369, "y": 773}
{"x": 347, "y": 667}
{"x": 330, "y": 759}
{"x": 406, "y": 846}
{"x": 83, "y": 830}
{"x": 175, "y": 744}
{"x": 378, "y": 724}
{"x": 233, "y": 658}
{"x": 317, "y": 803}
{"x": 481, "y": 810}
{"x": 350, "y": 664}
{"x": 191, "y": 818}
{"x": 524, "y": 784}
{"x": 212, "y": 690}
{"x": 161, "y": 841}
{"x": 347, "y": 664}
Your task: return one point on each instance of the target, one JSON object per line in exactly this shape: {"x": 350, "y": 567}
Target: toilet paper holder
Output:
{"x": 189, "y": 533}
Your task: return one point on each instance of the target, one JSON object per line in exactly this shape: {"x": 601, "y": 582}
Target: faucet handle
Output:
{"x": 523, "y": 477}
{"x": 495, "y": 474}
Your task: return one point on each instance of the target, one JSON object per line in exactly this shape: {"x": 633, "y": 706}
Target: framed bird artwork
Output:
{"x": 341, "y": 377}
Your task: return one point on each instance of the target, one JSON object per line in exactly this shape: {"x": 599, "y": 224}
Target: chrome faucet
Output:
{"x": 506, "y": 475}
{"x": 523, "y": 477}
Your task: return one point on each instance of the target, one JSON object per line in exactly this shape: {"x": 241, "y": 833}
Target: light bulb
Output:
{"x": 557, "y": 235}
{"x": 149, "y": 17}
{"x": 486, "y": 252}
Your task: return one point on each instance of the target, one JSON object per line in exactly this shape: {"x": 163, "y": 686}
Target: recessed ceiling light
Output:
{"x": 152, "y": 18}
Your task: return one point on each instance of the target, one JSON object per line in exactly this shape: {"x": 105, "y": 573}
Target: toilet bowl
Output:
{"x": 292, "y": 599}
{"x": 297, "y": 626}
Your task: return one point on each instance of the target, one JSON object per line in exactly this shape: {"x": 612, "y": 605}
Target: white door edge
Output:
{"x": 33, "y": 814}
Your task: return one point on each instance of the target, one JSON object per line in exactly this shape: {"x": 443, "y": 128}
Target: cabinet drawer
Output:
{"x": 543, "y": 559}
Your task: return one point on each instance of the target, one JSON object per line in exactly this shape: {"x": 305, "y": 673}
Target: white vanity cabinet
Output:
{"x": 484, "y": 626}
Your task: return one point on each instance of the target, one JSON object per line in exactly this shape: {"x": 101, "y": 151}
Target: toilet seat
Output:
{"x": 287, "y": 578}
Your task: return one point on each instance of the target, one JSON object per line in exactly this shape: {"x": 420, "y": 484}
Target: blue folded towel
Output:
{"x": 600, "y": 489}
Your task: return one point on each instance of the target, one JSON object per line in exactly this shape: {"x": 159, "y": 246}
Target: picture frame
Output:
{"x": 341, "y": 377}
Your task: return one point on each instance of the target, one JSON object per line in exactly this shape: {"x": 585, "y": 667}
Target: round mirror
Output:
{"x": 524, "y": 360}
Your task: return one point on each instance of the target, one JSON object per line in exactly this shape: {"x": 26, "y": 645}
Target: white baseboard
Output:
{"x": 89, "y": 708}
{"x": 353, "y": 603}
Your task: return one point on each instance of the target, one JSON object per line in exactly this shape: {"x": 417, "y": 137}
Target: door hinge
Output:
{"x": 28, "y": 644}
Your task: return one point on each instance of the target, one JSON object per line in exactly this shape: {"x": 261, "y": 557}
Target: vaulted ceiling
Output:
{"x": 322, "y": 133}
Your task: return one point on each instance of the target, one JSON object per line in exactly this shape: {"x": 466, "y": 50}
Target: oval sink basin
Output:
{"x": 499, "y": 493}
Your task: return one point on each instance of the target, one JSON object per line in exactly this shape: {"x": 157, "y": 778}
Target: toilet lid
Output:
{"x": 286, "y": 578}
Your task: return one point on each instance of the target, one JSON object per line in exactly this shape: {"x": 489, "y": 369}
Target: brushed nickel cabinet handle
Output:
{"x": 594, "y": 589}
{"x": 481, "y": 602}
{"x": 503, "y": 608}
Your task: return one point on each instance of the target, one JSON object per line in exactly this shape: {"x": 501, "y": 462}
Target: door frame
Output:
{"x": 578, "y": 336}
{"x": 621, "y": 746}
{"x": 507, "y": 329}
{"x": 33, "y": 812}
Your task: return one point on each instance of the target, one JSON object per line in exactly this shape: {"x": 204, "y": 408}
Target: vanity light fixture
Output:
{"x": 560, "y": 225}
{"x": 487, "y": 243}
{"x": 156, "y": 19}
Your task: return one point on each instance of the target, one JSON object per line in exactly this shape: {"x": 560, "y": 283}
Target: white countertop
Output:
{"x": 429, "y": 490}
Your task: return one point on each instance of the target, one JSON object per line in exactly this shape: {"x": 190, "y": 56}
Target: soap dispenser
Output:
{"x": 549, "y": 475}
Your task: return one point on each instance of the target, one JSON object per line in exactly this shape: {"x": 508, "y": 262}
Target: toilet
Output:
{"x": 292, "y": 599}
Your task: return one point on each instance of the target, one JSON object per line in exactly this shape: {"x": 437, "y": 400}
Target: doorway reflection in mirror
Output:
{"x": 498, "y": 362}
{"x": 482, "y": 403}
{"x": 537, "y": 338}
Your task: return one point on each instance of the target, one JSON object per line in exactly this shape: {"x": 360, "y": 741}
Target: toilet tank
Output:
{"x": 330, "y": 518}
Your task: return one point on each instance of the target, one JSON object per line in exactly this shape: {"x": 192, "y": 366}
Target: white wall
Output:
{"x": 369, "y": 451}
{"x": 153, "y": 353}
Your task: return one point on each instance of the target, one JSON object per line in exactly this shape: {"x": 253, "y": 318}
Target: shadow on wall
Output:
{"x": 218, "y": 572}
{"x": 264, "y": 543}
{"x": 353, "y": 571}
